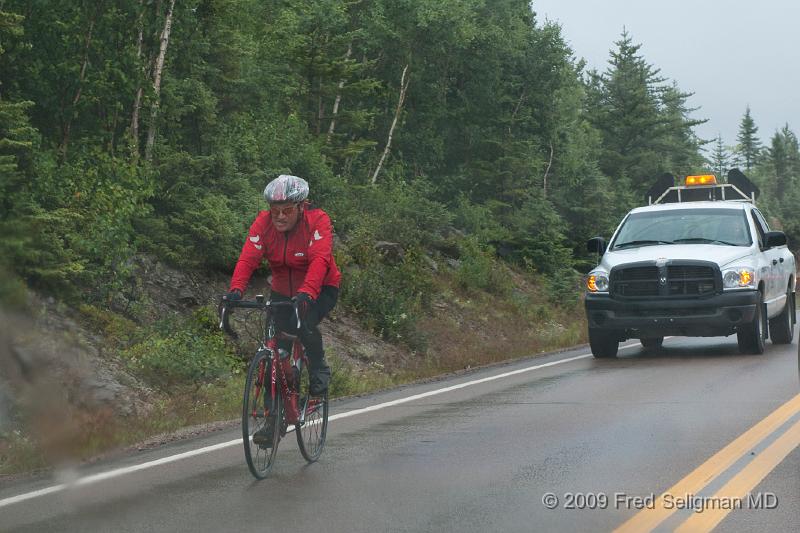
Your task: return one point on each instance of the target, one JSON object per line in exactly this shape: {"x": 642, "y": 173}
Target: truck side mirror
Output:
{"x": 775, "y": 238}
{"x": 596, "y": 245}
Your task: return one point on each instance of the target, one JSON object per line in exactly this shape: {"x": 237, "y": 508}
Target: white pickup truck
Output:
{"x": 700, "y": 261}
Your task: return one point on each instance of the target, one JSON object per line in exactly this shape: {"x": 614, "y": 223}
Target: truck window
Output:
{"x": 685, "y": 226}
{"x": 761, "y": 228}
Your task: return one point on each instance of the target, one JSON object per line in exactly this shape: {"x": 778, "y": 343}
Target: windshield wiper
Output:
{"x": 704, "y": 240}
{"x": 630, "y": 244}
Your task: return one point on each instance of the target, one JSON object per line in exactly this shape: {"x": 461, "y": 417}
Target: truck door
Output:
{"x": 770, "y": 268}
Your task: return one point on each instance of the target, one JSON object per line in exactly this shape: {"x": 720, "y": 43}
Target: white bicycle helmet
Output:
{"x": 286, "y": 188}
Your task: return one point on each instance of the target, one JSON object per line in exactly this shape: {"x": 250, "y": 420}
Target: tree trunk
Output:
{"x": 338, "y": 98}
{"x": 547, "y": 171}
{"x": 320, "y": 108}
{"x": 516, "y": 110}
{"x": 73, "y": 112}
{"x": 159, "y": 67}
{"x": 403, "y": 88}
{"x": 137, "y": 100}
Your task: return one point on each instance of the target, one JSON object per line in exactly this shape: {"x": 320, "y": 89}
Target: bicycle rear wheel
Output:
{"x": 257, "y": 416}
{"x": 313, "y": 426}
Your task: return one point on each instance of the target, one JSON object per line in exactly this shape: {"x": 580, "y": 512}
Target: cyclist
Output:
{"x": 297, "y": 241}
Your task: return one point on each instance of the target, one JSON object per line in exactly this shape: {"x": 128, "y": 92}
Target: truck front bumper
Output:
{"x": 692, "y": 317}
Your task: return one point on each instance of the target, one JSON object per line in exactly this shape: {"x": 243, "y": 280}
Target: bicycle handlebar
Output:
{"x": 227, "y": 306}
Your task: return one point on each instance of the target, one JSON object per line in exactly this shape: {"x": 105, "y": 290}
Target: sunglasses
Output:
{"x": 285, "y": 211}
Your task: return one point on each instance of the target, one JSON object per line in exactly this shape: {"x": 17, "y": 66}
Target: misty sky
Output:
{"x": 729, "y": 53}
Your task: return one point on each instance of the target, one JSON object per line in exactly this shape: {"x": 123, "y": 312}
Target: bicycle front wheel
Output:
{"x": 312, "y": 429}
{"x": 260, "y": 418}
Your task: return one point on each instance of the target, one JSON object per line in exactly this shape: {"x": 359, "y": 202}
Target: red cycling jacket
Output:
{"x": 301, "y": 259}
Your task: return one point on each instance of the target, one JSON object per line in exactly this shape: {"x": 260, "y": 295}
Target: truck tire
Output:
{"x": 751, "y": 336}
{"x": 781, "y": 328}
{"x": 652, "y": 344}
{"x": 604, "y": 344}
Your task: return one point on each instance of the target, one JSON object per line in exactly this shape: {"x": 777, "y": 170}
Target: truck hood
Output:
{"x": 720, "y": 254}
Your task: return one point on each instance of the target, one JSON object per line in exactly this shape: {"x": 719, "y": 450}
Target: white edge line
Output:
{"x": 102, "y": 476}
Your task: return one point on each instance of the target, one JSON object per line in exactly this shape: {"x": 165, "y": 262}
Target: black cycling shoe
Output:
{"x": 264, "y": 436}
{"x": 317, "y": 388}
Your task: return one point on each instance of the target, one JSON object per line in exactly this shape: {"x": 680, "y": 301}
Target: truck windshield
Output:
{"x": 726, "y": 227}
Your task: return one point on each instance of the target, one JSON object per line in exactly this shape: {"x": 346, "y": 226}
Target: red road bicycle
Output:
{"x": 276, "y": 392}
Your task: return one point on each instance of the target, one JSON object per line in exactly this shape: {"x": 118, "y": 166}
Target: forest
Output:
{"x": 134, "y": 127}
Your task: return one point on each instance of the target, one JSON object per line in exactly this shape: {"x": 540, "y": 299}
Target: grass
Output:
{"x": 79, "y": 436}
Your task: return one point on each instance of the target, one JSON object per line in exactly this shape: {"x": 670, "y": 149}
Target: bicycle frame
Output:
{"x": 279, "y": 382}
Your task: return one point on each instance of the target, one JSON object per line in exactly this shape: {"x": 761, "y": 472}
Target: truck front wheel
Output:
{"x": 751, "y": 336}
{"x": 781, "y": 328}
{"x": 604, "y": 344}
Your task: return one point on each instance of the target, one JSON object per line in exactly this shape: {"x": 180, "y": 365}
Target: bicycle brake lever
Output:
{"x": 224, "y": 324}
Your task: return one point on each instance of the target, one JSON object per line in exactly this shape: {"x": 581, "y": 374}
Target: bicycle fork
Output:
{"x": 260, "y": 387}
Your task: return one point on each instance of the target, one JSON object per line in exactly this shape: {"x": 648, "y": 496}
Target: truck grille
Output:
{"x": 635, "y": 282}
{"x": 690, "y": 280}
{"x": 679, "y": 280}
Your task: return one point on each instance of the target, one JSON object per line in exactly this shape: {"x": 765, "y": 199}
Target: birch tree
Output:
{"x": 157, "y": 71}
{"x": 404, "y": 81}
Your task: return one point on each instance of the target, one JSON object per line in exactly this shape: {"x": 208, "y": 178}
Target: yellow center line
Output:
{"x": 741, "y": 484}
{"x": 694, "y": 482}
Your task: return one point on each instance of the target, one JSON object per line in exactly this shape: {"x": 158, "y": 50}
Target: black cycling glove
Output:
{"x": 233, "y": 295}
{"x": 303, "y": 302}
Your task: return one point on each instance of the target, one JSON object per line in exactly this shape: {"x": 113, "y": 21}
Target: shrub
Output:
{"x": 389, "y": 298}
{"x": 71, "y": 225}
{"x": 564, "y": 287}
{"x": 194, "y": 352}
{"x": 479, "y": 270}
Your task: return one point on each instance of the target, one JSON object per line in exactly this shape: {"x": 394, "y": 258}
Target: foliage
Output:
{"x": 503, "y": 146}
{"x": 749, "y": 144}
{"x": 118, "y": 330}
{"x": 564, "y": 287}
{"x": 478, "y": 269}
{"x": 187, "y": 353}
{"x": 13, "y": 291}
{"x": 778, "y": 176}
{"x": 720, "y": 158}
{"x": 644, "y": 122}
{"x": 390, "y": 298}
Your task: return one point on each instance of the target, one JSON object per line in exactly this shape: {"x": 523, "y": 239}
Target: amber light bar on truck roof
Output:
{"x": 705, "y": 179}
{"x": 702, "y": 187}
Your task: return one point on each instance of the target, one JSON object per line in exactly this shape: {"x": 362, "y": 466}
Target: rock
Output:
{"x": 187, "y": 297}
{"x": 455, "y": 264}
{"x": 390, "y": 251}
{"x": 431, "y": 263}
{"x": 448, "y": 247}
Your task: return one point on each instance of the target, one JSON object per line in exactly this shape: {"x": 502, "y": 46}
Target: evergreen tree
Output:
{"x": 783, "y": 161}
{"x": 749, "y": 143}
{"x": 679, "y": 146}
{"x": 720, "y": 159}
{"x": 644, "y": 122}
{"x": 16, "y": 134}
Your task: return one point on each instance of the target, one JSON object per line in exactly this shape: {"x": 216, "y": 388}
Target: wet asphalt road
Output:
{"x": 474, "y": 459}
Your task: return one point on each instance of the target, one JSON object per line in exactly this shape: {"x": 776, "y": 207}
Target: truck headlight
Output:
{"x": 597, "y": 281}
{"x": 738, "y": 278}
